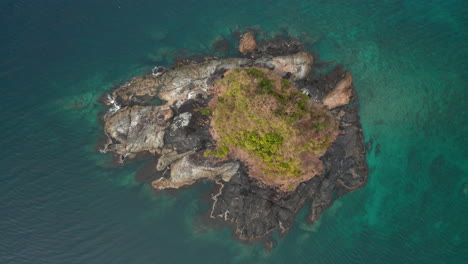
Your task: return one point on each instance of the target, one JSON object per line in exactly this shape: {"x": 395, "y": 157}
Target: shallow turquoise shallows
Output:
{"x": 63, "y": 202}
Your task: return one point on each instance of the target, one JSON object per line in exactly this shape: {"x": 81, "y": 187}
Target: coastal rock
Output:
{"x": 187, "y": 135}
{"x": 345, "y": 165}
{"x": 247, "y": 43}
{"x": 138, "y": 91}
{"x": 256, "y": 210}
{"x": 137, "y": 128}
{"x": 193, "y": 80}
{"x": 191, "y": 168}
{"x": 317, "y": 87}
{"x": 278, "y": 46}
{"x": 168, "y": 157}
{"x": 341, "y": 94}
{"x": 190, "y": 81}
{"x": 297, "y": 65}
{"x": 177, "y": 133}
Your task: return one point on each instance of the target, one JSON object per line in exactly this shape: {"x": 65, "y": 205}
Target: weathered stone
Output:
{"x": 341, "y": 94}
{"x": 168, "y": 157}
{"x": 247, "y": 43}
{"x": 137, "y": 128}
{"x": 193, "y": 80}
{"x": 278, "y": 46}
{"x": 137, "y": 91}
{"x": 298, "y": 65}
{"x": 186, "y": 172}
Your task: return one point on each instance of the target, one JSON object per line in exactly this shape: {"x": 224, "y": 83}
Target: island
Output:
{"x": 272, "y": 134}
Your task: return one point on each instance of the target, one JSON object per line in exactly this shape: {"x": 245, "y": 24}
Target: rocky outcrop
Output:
{"x": 187, "y": 171}
{"x": 278, "y": 46}
{"x": 298, "y": 65}
{"x": 177, "y": 134}
{"x": 169, "y": 156}
{"x": 247, "y": 43}
{"x": 341, "y": 94}
{"x": 138, "y": 91}
{"x": 192, "y": 81}
{"x": 136, "y": 129}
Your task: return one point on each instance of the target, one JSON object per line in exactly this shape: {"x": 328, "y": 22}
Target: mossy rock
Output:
{"x": 266, "y": 122}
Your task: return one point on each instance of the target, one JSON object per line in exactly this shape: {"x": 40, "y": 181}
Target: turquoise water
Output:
{"x": 63, "y": 202}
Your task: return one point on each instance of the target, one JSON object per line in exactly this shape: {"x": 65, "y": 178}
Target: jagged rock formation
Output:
{"x": 138, "y": 128}
{"x": 177, "y": 133}
{"x": 257, "y": 211}
{"x": 190, "y": 168}
{"x": 192, "y": 81}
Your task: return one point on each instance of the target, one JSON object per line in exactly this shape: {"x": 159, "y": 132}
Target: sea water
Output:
{"x": 62, "y": 201}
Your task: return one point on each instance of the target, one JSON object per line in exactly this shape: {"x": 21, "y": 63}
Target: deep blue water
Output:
{"x": 63, "y": 202}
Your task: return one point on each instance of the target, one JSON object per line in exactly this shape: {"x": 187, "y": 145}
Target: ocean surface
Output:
{"x": 61, "y": 201}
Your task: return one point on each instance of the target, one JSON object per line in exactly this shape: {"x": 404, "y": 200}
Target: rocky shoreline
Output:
{"x": 177, "y": 132}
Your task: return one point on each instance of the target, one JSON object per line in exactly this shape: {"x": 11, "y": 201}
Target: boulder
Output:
{"x": 186, "y": 171}
{"x": 168, "y": 157}
{"x": 247, "y": 43}
{"x": 341, "y": 94}
{"x": 193, "y": 80}
{"x": 190, "y": 81}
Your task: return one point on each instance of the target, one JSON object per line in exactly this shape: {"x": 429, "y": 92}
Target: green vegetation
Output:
{"x": 205, "y": 111}
{"x": 266, "y": 122}
{"x": 220, "y": 152}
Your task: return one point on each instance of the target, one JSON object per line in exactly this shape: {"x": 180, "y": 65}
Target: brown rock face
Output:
{"x": 247, "y": 43}
{"x": 341, "y": 94}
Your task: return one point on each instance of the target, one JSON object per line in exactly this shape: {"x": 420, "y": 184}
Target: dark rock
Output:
{"x": 278, "y": 46}
{"x": 318, "y": 87}
{"x": 193, "y": 135}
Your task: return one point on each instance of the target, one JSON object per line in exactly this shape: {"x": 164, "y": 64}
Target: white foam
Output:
{"x": 158, "y": 70}
{"x": 113, "y": 103}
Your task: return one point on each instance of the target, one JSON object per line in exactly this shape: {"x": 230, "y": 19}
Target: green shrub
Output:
{"x": 271, "y": 120}
{"x": 205, "y": 111}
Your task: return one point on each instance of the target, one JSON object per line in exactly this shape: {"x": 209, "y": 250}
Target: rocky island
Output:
{"x": 272, "y": 134}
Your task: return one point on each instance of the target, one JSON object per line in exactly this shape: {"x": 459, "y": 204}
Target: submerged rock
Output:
{"x": 178, "y": 133}
{"x": 221, "y": 45}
